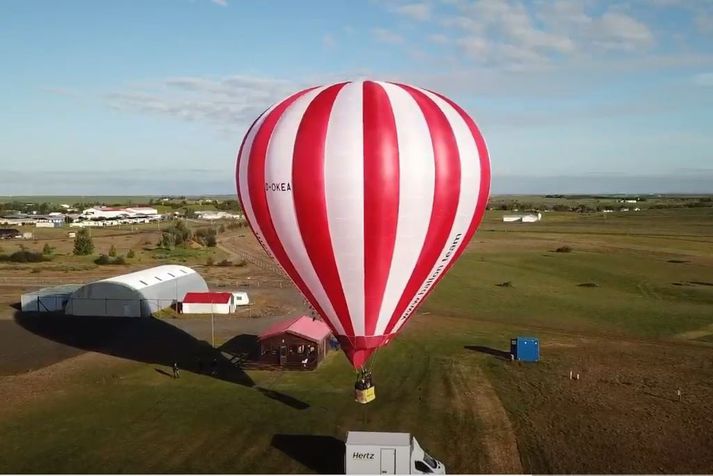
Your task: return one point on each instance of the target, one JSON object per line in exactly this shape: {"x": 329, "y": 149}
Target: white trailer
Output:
{"x": 240, "y": 298}
{"x": 387, "y": 453}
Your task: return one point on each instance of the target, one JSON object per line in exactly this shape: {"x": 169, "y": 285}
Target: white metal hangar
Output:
{"x": 51, "y": 299}
{"x": 136, "y": 294}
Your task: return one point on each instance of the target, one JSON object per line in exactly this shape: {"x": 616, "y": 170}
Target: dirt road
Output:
{"x": 476, "y": 398}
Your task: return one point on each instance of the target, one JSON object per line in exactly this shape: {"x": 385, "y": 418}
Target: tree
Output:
{"x": 206, "y": 237}
{"x": 112, "y": 251}
{"x": 175, "y": 235}
{"x": 47, "y": 249}
{"x": 83, "y": 244}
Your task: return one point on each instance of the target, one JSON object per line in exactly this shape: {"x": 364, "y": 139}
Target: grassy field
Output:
{"x": 640, "y": 328}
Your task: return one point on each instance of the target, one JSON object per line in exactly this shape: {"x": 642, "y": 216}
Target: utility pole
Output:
{"x": 212, "y": 324}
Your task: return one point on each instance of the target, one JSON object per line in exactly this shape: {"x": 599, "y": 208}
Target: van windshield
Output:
{"x": 421, "y": 466}
{"x": 431, "y": 462}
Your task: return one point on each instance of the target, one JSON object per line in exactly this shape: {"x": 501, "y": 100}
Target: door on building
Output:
{"x": 283, "y": 354}
{"x": 388, "y": 461}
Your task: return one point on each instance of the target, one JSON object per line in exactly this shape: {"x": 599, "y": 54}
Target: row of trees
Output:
{"x": 84, "y": 246}
{"x": 179, "y": 234}
{"x": 175, "y": 235}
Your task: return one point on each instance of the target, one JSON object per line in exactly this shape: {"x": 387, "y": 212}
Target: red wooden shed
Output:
{"x": 299, "y": 342}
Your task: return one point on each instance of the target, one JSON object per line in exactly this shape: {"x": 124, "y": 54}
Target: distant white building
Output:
{"x": 523, "y": 218}
{"x": 111, "y": 213}
{"x": 217, "y": 215}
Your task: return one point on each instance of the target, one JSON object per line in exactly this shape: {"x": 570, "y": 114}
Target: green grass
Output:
{"x": 133, "y": 419}
{"x": 635, "y": 294}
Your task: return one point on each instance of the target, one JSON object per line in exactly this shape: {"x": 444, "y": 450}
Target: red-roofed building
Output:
{"x": 300, "y": 342}
{"x": 208, "y": 303}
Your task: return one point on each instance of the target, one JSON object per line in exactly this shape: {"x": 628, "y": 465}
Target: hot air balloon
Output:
{"x": 365, "y": 193}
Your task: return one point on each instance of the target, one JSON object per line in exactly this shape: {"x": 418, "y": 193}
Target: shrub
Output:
{"x": 564, "y": 249}
{"x": 47, "y": 249}
{"x": 209, "y": 261}
{"x": 25, "y": 256}
{"x": 130, "y": 254}
{"x": 206, "y": 237}
{"x": 83, "y": 244}
{"x": 103, "y": 259}
{"x": 221, "y": 229}
{"x": 112, "y": 251}
{"x": 225, "y": 262}
{"x": 241, "y": 263}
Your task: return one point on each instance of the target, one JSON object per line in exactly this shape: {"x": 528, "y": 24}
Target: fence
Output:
{"x": 115, "y": 307}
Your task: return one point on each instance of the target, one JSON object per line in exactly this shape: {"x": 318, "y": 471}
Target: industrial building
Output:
{"x": 138, "y": 294}
{"x": 52, "y": 299}
{"x": 111, "y": 213}
{"x": 296, "y": 343}
{"x": 524, "y": 218}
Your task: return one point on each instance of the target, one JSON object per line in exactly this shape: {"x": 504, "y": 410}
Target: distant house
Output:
{"x": 299, "y": 343}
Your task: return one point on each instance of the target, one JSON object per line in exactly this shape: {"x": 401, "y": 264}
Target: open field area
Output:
{"x": 629, "y": 307}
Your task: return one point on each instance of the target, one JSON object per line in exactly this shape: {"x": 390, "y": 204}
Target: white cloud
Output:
{"x": 439, "y": 39}
{"x": 619, "y": 31}
{"x": 518, "y": 35}
{"x": 222, "y": 3}
{"x": 61, "y": 91}
{"x": 703, "y": 79}
{"x": 475, "y": 47}
{"x": 223, "y": 101}
{"x": 329, "y": 42}
{"x": 383, "y": 35}
{"x": 415, "y": 11}
{"x": 704, "y": 24}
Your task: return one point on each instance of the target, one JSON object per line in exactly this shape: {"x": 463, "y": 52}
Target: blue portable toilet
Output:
{"x": 525, "y": 349}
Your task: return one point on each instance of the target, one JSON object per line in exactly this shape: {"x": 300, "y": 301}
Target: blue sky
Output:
{"x": 154, "y": 96}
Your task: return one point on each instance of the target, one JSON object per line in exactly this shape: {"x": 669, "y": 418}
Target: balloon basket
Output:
{"x": 365, "y": 396}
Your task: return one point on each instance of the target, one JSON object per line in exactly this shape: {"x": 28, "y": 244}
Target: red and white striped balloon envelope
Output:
{"x": 365, "y": 193}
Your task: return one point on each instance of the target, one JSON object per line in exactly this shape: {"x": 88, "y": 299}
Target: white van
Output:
{"x": 387, "y": 453}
